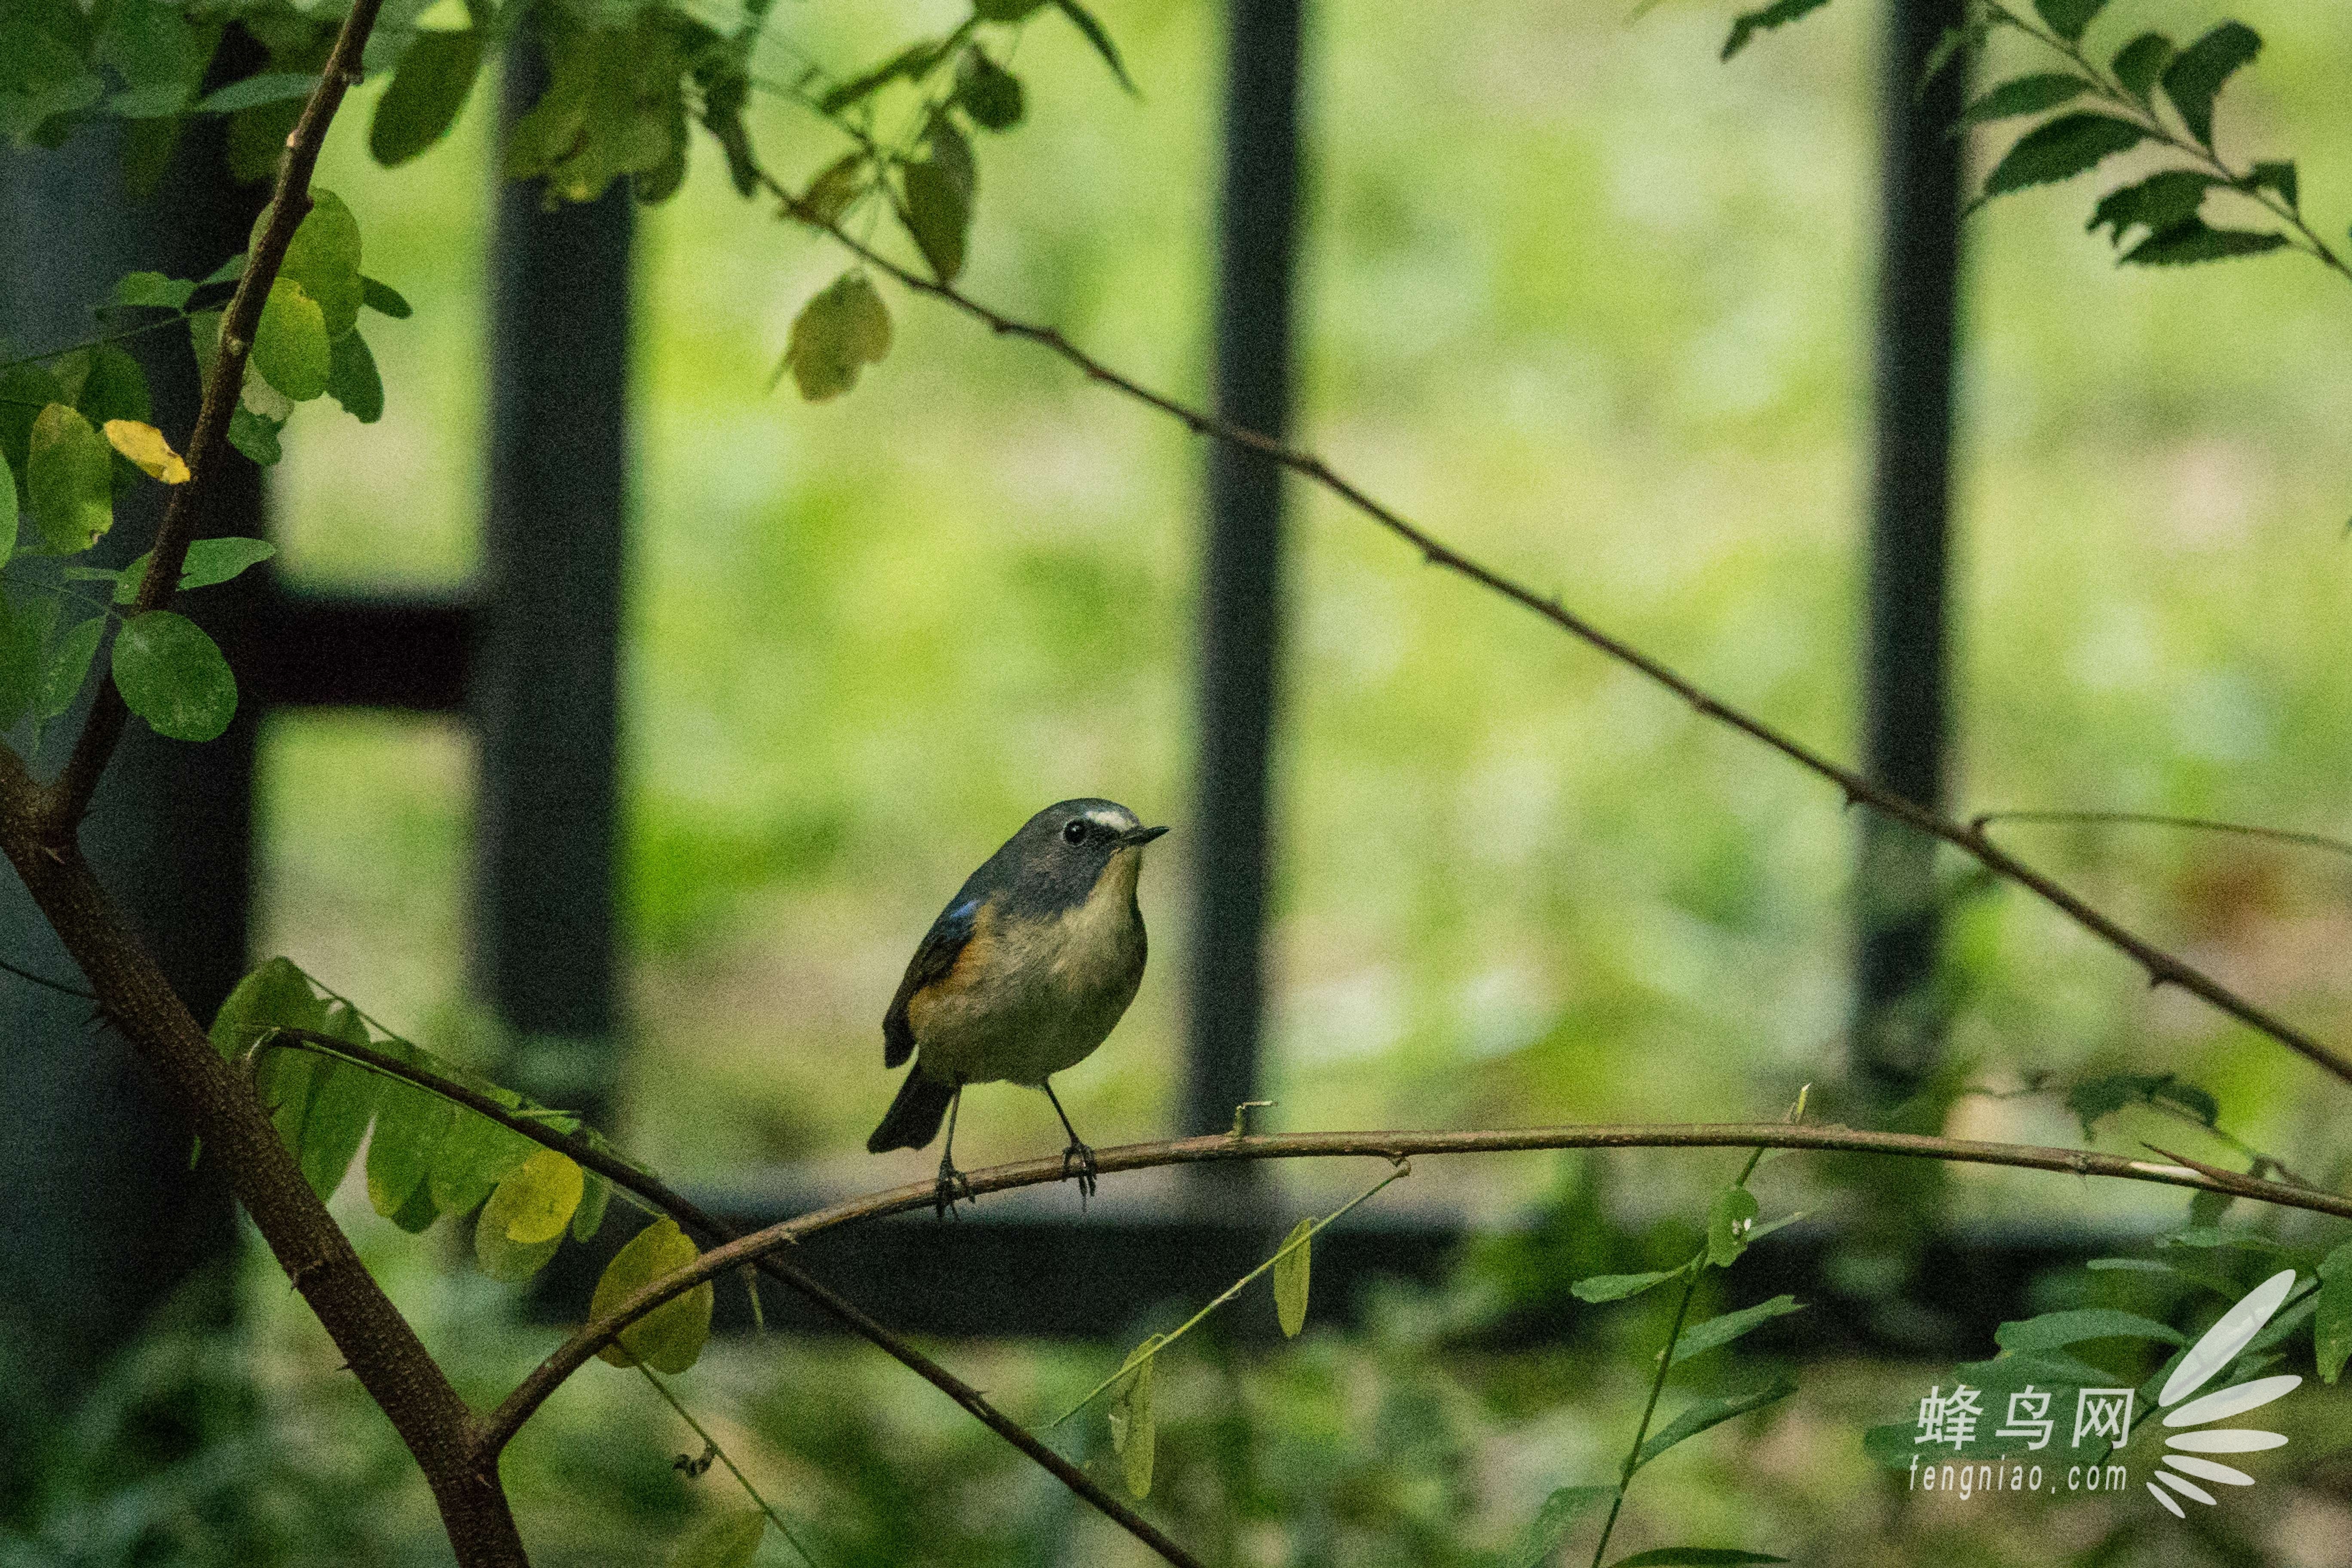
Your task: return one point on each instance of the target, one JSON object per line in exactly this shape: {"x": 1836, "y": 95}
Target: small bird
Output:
{"x": 1024, "y": 973}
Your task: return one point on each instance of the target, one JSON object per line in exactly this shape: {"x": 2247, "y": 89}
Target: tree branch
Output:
{"x": 593, "y": 1336}
{"x": 2162, "y": 967}
{"x": 382, "y": 1349}
{"x": 494, "y": 1435}
{"x": 38, "y": 834}
{"x": 66, "y": 800}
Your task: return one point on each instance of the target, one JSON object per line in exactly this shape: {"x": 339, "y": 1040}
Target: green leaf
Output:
{"x": 276, "y": 996}
{"x": 1617, "y": 1287}
{"x": 1553, "y": 1522}
{"x": 988, "y": 92}
{"x": 209, "y": 561}
{"x": 254, "y": 435}
{"x": 938, "y": 213}
{"x": 2158, "y": 203}
{"x": 670, "y": 1337}
{"x": 142, "y": 289}
{"x": 535, "y": 1201}
{"x": 384, "y": 299}
{"x": 428, "y": 90}
{"x": 270, "y": 87}
{"x": 2193, "y": 241}
{"x": 831, "y": 192}
{"x": 228, "y": 271}
{"x": 2196, "y": 74}
{"x": 25, "y": 390}
{"x": 410, "y": 1126}
{"x": 353, "y": 380}
{"x": 2059, "y": 150}
{"x": 69, "y": 479}
{"x": 1290, "y": 1270}
{"x": 1722, "y": 1331}
{"x": 171, "y": 673}
{"x": 589, "y": 1217}
{"x": 2024, "y": 95}
{"x": 2051, "y": 1331}
{"x": 2275, "y": 176}
{"x": 1779, "y": 14}
{"x": 1698, "y": 1417}
{"x": 727, "y": 1539}
{"x": 1694, "y": 1557}
{"x": 2067, "y": 18}
{"x": 113, "y": 387}
{"x": 291, "y": 348}
{"x": 342, "y": 1104}
{"x": 2331, "y": 1330}
{"x": 20, "y": 661}
{"x": 1084, "y": 21}
{"x": 508, "y": 1261}
{"x": 837, "y": 334}
{"x": 1728, "y": 1226}
{"x": 7, "y": 510}
{"x": 2139, "y": 63}
{"x": 1133, "y": 1436}
{"x": 2209, "y": 1237}
{"x": 475, "y": 1155}
{"x": 324, "y": 256}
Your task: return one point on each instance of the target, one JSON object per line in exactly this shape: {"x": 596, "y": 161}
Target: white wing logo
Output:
{"x": 2205, "y": 1360}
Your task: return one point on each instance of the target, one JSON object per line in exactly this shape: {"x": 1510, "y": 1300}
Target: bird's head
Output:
{"x": 1070, "y": 844}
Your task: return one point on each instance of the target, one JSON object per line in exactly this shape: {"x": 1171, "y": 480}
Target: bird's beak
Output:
{"x": 1137, "y": 837}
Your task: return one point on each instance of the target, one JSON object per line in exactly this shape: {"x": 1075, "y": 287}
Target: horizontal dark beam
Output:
{"x": 1035, "y": 1275}
{"x": 313, "y": 650}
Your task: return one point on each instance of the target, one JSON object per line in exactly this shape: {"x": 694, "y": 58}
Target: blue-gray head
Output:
{"x": 1060, "y": 855}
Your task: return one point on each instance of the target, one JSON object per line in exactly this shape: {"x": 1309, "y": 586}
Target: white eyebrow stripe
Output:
{"x": 1116, "y": 821}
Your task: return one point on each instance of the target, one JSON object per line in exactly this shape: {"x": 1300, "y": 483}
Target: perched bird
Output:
{"x": 1022, "y": 975}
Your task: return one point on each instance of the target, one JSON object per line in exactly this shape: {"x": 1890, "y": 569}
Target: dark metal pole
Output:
{"x": 104, "y": 1218}
{"x": 1242, "y": 593}
{"x": 547, "y": 684}
{"x": 1899, "y": 1023}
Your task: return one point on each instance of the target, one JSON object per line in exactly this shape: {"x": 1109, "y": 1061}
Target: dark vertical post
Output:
{"x": 104, "y": 1218}
{"x": 1899, "y": 1027}
{"x": 547, "y": 684}
{"x": 1241, "y": 617}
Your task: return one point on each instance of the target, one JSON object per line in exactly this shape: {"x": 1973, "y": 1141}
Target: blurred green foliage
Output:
{"x": 1607, "y": 327}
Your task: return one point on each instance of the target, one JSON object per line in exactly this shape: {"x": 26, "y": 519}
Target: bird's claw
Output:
{"x": 951, "y": 1185}
{"x": 1080, "y": 1160}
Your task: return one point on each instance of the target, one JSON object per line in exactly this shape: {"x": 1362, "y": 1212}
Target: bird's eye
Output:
{"x": 1077, "y": 830}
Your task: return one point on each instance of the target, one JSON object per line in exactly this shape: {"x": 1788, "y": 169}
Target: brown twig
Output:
{"x": 593, "y": 1336}
{"x": 66, "y": 800}
{"x": 2162, "y": 967}
{"x": 495, "y": 1435}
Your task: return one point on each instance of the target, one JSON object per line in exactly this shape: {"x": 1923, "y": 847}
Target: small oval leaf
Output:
{"x": 148, "y": 451}
{"x": 670, "y": 1337}
{"x": 172, "y": 673}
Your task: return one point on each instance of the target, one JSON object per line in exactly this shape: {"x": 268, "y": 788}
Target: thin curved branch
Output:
{"x": 2162, "y": 967}
{"x": 66, "y": 800}
{"x": 1985, "y": 819}
{"x": 593, "y": 1336}
{"x": 493, "y": 1435}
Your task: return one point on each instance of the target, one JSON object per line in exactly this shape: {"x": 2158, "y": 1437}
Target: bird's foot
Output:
{"x": 951, "y": 1185}
{"x": 1080, "y": 1160}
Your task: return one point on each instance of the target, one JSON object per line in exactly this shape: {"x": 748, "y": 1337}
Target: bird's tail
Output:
{"x": 913, "y": 1119}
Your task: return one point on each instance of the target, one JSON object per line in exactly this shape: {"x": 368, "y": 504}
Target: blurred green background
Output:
{"x": 1596, "y": 309}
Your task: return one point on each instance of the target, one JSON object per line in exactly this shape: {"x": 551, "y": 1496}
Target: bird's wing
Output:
{"x": 941, "y": 945}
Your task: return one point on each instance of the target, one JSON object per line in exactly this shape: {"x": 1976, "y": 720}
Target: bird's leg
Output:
{"x": 1078, "y": 1156}
{"x": 952, "y": 1181}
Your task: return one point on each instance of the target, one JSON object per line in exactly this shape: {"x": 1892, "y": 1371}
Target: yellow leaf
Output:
{"x": 535, "y": 1200}
{"x": 1132, "y": 1434}
{"x": 145, "y": 446}
{"x": 670, "y": 1337}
